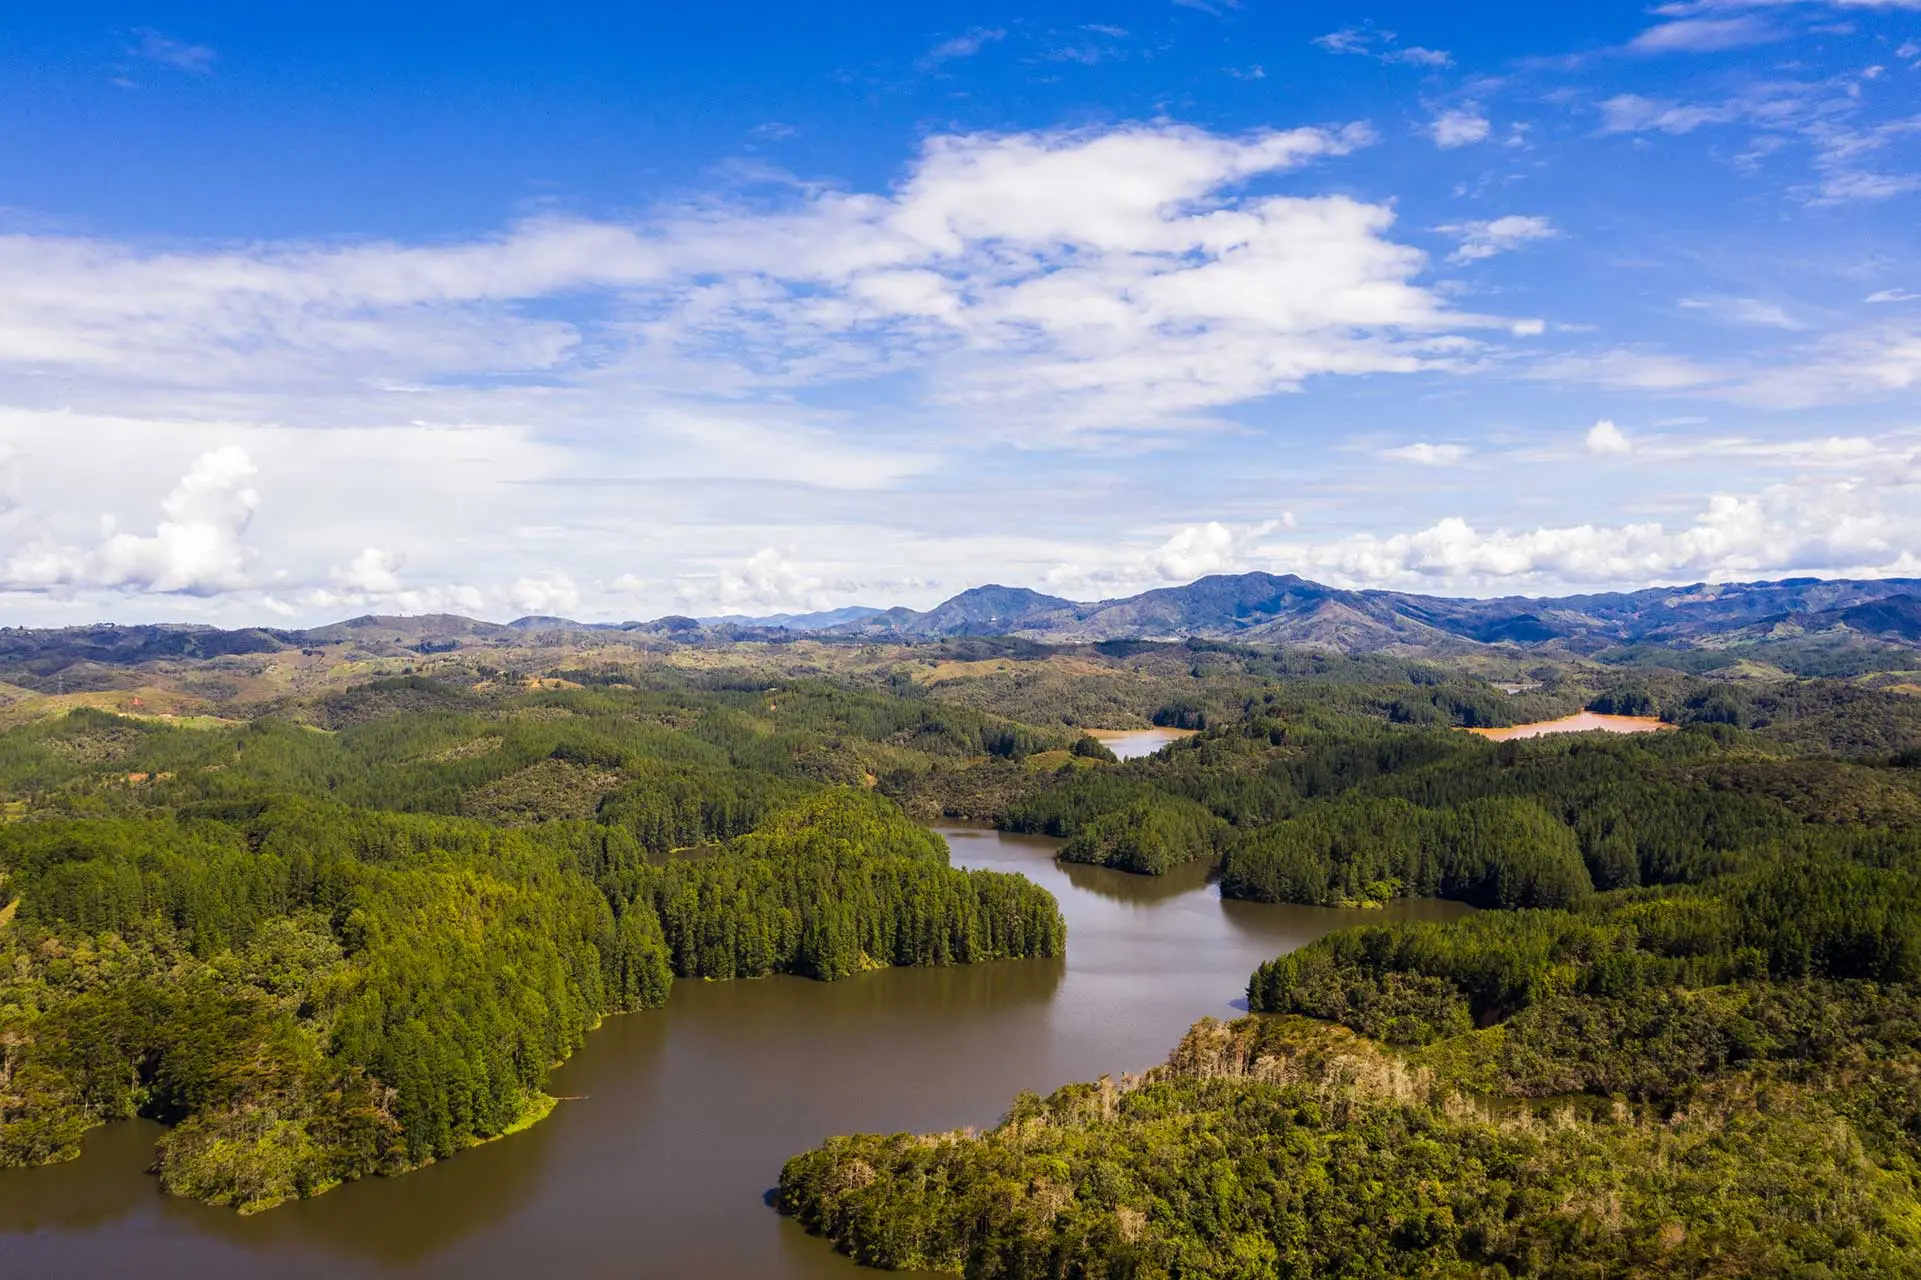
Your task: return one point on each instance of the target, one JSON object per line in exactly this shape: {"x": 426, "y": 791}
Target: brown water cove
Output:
{"x": 689, "y": 1111}
{"x": 1579, "y": 722}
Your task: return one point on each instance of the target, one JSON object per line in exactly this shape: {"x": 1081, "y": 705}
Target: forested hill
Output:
{"x": 350, "y": 936}
{"x": 1681, "y": 1038}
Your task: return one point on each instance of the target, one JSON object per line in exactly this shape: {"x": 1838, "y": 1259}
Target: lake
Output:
{"x": 1130, "y": 744}
{"x": 689, "y": 1111}
{"x": 1579, "y": 722}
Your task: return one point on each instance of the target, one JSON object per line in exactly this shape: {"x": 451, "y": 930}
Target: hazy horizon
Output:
{"x": 506, "y": 620}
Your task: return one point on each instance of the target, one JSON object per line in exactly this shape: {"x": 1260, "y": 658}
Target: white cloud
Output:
{"x": 1605, "y": 439}
{"x": 1429, "y": 455}
{"x": 1817, "y": 115}
{"x": 10, "y": 480}
{"x": 180, "y": 54}
{"x": 964, "y": 45}
{"x": 780, "y": 366}
{"x": 1051, "y": 283}
{"x": 1852, "y": 366}
{"x": 1498, "y": 235}
{"x": 1744, "y": 311}
{"x": 1841, "y": 528}
{"x": 195, "y": 550}
{"x": 1633, "y": 113}
{"x": 1362, "y": 41}
{"x": 553, "y": 592}
{"x": 1843, "y": 154}
{"x": 1211, "y": 9}
{"x": 1892, "y": 295}
{"x": 1194, "y": 552}
{"x": 1416, "y": 56}
{"x": 1458, "y": 127}
{"x": 1346, "y": 40}
{"x": 1861, "y": 364}
{"x": 373, "y": 572}
{"x": 769, "y": 581}
{"x": 1685, "y": 8}
{"x": 1705, "y": 35}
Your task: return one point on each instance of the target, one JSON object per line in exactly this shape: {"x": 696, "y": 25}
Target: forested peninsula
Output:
{"x": 283, "y": 940}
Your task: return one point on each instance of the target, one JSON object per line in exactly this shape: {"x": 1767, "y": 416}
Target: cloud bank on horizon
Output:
{"x": 1443, "y": 304}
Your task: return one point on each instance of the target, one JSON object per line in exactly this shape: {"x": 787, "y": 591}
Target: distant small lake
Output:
{"x": 1130, "y": 744}
{"x": 1580, "y": 722}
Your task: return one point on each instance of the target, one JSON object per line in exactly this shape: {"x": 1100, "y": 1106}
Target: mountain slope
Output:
{"x": 1288, "y": 609}
{"x": 980, "y": 611}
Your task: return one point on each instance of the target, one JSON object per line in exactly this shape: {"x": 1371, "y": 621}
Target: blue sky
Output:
{"x": 742, "y": 308}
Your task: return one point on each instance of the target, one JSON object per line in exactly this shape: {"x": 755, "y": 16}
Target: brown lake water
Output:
{"x": 1579, "y": 722}
{"x": 689, "y": 1111}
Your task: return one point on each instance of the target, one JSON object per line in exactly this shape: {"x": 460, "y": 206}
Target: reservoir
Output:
{"x": 684, "y": 1114}
{"x": 1130, "y": 744}
{"x": 1580, "y": 722}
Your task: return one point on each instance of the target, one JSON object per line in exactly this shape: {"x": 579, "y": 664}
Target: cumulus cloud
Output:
{"x": 1194, "y": 552}
{"x": 1458, "y": 127}
{"x": 1845, "y": 527}
{"x": 553, "y": 592}
{"x": 1497, "y": 235}
{"x": 1604, "y": 438}
{"x": 373, "y": 572}
{"x": 195, "y": 550}
{"x": 770, "y": 581}
{"x": 1429, "y": 455}
{"x": 1050, "y": 282}
{"x": 778, "y": 365}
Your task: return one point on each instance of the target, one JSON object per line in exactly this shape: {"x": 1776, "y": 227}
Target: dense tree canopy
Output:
{"x": 1683, "y": 1039}
{"x": 284, "y": 940}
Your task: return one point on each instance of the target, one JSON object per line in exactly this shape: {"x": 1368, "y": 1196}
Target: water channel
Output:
{"x": 686, "y": 1113}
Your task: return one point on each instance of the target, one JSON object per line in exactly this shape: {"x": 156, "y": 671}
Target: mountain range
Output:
{"x": 1286, "y": 609}
{"x": 1252, "y": 607}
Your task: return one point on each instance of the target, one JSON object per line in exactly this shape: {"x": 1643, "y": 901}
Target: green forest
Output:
{"x": 349, "y": 931}
{"x": 355, "y": 941}
{"x": 1681, "y": 1038}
